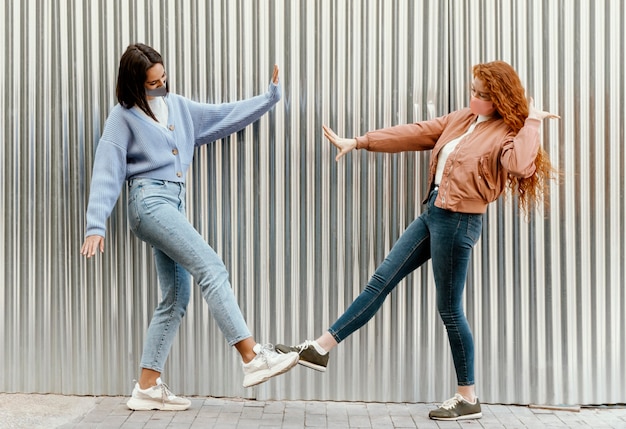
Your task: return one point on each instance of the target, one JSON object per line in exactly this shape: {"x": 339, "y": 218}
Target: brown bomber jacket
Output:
{"x": 476, "y": 171}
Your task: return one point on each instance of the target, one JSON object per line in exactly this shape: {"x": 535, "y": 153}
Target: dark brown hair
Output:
{"x": 131, "y": 77}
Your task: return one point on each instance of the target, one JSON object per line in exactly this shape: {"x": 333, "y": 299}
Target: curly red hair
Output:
{"x": 509, "y": 99}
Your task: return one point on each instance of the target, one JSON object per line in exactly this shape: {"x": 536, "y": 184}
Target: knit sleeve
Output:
{"x": 109, "y": 173}
{"x": 212, "y": 122}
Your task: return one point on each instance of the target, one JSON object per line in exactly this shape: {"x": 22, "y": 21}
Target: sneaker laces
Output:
{"x": 166, "y": 393}
{"x": 305, "y": 345}
{"x": 265, "y": 352}
{"x": 452, "y": 402}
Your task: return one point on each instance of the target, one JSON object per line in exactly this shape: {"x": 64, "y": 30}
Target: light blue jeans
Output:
{"x": 156, "y": 212}
{"x": 447, "y": 238}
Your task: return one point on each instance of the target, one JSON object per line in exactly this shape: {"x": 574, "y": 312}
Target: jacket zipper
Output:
{"x": 455, "y": 154}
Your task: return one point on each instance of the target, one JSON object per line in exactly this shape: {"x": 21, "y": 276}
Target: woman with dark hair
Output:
{"x": 149, "y": 140}
{"x": 477, "y": 152}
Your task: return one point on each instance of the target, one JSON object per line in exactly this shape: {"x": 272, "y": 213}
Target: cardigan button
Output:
{"x": 179, "y": 174}
{"x": 175, "y": 151}
{"x": 171, "y": 127}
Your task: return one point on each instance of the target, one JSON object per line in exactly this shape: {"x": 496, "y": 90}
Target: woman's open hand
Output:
{"x": 344, "y": 145}
{"x": 535, "y": 113}
{"x": 92, "y": 244}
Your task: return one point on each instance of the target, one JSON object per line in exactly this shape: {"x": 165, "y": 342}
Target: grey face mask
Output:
{"x": 157, "y": 92}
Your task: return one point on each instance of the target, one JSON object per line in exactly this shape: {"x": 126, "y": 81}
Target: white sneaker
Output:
{"x": 267, "y": 364}
{"x": 156, "y": 397}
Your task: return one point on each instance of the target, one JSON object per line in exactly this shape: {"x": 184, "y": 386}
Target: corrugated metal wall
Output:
{"x": 300, "y": 233}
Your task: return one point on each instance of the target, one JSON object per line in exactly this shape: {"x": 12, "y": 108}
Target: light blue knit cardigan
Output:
{"x": 133, "y": 145}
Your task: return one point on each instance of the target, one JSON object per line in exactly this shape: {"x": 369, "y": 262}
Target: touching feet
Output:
{"x": 267, "y": 364}
{"x": 312, "y": 355}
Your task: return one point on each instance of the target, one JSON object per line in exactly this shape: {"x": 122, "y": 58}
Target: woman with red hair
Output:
{"x": 476, "y": 153}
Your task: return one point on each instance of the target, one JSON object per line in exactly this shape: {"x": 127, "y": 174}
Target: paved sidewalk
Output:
{"x": 111, "y": 413}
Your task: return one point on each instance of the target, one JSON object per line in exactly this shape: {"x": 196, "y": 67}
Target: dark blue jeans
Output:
{"x": 447, "y": 238}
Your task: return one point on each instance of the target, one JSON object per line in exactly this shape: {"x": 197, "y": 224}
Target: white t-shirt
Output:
{"x": 159, "y": 108}
{"x": 445, "y": 151}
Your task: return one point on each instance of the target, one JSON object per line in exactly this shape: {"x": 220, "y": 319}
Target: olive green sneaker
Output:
{"x": 309, "y": 356}
{"x": 457, "y": 408}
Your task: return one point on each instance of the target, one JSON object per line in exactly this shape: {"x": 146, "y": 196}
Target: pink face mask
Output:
{"x": 481, "y": 107}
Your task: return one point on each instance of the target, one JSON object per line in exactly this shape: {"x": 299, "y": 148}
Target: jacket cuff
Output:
{"x": 362, "y": 142}
{"x": 532, "y": 122}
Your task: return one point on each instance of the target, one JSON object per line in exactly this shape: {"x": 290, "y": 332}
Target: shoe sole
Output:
{"x": 263, "y": 376}
{"x": 465, "y": 417}
{"x": 312, "y": 365}
{"x": 146, "y": 405}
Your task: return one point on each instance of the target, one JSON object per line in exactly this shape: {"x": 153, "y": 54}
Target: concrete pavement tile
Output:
{"x": 230, "y": 418}
{"x": 96, "y": 416}
{"x": 294, "y": 413}
{"x": 337, "y": 416}
{"x": 421, "y": 419}
{"x": 315, "y": 407}
{"x": 430, "y": 424}
{"x": 221, "y": 425}
{"x": 120, "y": 410}
{"x": 447, "y": 425}
{"x": 252, "y": 413}
{"x": 381, "y": 421}
{"x": 232, "y": 407}
{"x": 296, "y": 405}
{"x": 248, "y": 424}
{"x": 570, "y": 419}
{"x": 128, "y": 425}
{"x": 292, "y": 425}
{"x": 336, "y": 425}
{"x": 157, "y": 424}
{"x": 315, "y": 419}
{"x": 181, "y": 425}
{"x": 274, "y": 420}
{"x": 399, "y": 409}
{"x": 549, "y": 419}
{"x": 214, "y": 401}
{"x": 203, "y": 423}
{"x": 336, "y": 407}
{"x": 210, "y": 410}
{"x": 140, "y": 415}
{"x": 187, "y": 416}
{"x": 111, "y": 401}
{"x": 291, "y": 420}
{"x": 359, "y": 420}
{"x": 111, "y": 423}
{"x": 512, "y": 425}
{"x": 274, "y": 407}
{"x": 79, "y": 425}
{"x": 377, "y": 409}
{"x": 398, "y": 421}
{"x": 356, "y": 409}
